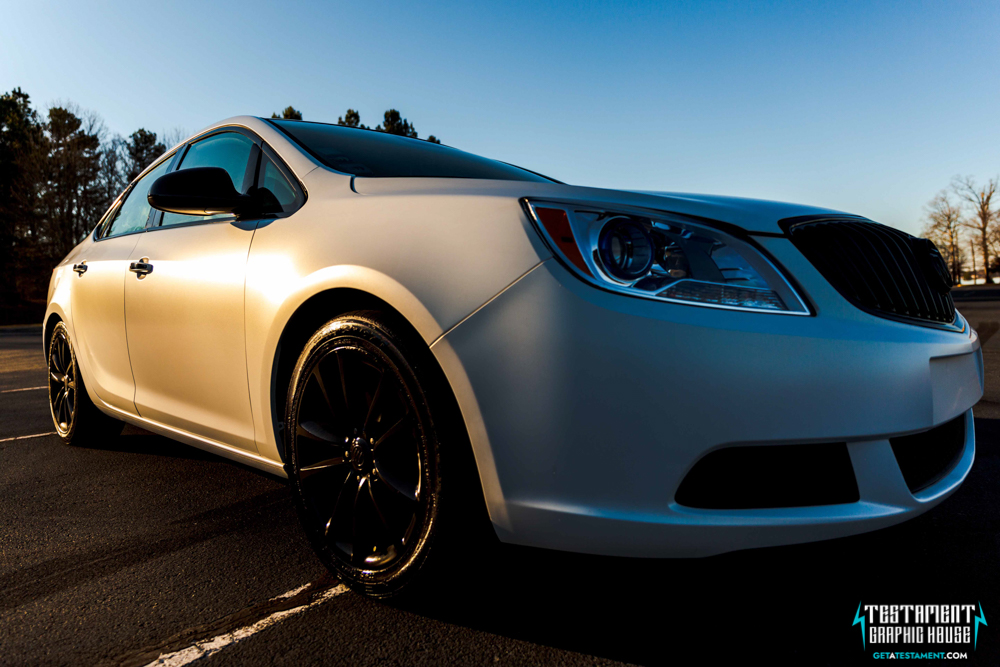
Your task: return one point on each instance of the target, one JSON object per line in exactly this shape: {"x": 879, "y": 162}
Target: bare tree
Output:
{"x": 112, "y": 170}
{"x": 173, "y": 137}
{"x": 944, "y": 228}
{"x": 979, "y": 200}
{"x": 972, "y": 253}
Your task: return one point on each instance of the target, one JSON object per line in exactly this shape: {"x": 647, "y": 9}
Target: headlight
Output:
{"x": 663, "y": 256}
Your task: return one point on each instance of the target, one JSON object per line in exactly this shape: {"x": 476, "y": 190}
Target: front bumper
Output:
{"x": 587, "y": 409}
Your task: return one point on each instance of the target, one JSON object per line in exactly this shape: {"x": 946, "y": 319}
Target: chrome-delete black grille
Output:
{"x": 877, "y": 268}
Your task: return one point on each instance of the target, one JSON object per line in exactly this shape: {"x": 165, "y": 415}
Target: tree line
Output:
{"x": 963, "y": 220}
{"x": 60, "y": 171}
{"x": 392, "y": 122}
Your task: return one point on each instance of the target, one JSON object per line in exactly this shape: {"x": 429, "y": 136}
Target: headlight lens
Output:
{"x": 664, "y": 256}
{"x": 626, "y": 249}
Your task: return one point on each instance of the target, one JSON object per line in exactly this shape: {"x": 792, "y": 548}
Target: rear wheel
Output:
{"x": 75, "y": 417}
{"x": 365, "y": 453}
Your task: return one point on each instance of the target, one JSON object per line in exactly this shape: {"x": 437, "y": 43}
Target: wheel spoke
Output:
{"x": 59, "y": 407}
{"x": 55, "y": 377}
{"x": 373, "y": 402}
{"x": 343, "y": 384}
{"x": 397, "y": 487}
{"x": 63, "y": 361}
{"x": 336, "y": 505}
{"x": 322, "y": 466}
{"x": 318, "y": 377}
{"x": 378, "y": 510}
{"x": 356, "y": 552}
{"x": 393, "y": 430}
{"x": 314, "y": 431}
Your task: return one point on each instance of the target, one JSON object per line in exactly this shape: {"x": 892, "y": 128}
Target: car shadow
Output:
{"x": 795, "y": 602}
{"x": 135, "y": 440}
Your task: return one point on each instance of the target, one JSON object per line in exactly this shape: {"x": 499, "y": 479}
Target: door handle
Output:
{"x": 80, "y": 268}
{"x": 142, "y": 267}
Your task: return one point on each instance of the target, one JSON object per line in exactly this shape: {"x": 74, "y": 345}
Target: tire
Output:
{"x": 377, "y": 472}
{"x": 76, "y": 419}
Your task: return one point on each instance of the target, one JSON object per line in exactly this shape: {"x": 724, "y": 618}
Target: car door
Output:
{"x": 98, "y": 295}
{"x": 184, "y": 308}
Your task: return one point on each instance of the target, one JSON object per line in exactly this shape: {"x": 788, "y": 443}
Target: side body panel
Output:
{"x": 98, "y": 318}
{"x": 186, "y": 330}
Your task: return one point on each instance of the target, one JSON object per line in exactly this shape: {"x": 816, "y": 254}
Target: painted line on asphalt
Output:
{"x": 25, "y": 437}
{"x": 11, "y": 391}
{"x": 207, "y": 647}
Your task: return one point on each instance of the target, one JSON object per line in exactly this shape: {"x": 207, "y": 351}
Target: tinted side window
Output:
{"x": 229, "y": 150}
{"x": 279, "y": 194}
{"x": 134, "y": 211}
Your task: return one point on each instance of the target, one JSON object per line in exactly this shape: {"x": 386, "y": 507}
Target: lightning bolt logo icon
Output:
{"x": 981, "y": 618}
{"x": 859, "y": 618}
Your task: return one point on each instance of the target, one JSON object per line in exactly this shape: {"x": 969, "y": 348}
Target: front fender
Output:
{"x": 273, "y": 296}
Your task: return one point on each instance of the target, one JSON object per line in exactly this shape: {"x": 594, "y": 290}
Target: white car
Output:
{"x": 409, "y": 332}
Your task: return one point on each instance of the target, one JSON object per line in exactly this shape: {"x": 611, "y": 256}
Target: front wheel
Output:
{"x": 365, "y": 453}
{"x": 76, "y": 419}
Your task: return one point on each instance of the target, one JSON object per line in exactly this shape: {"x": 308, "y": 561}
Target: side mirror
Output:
{"x": 199, "y": 191}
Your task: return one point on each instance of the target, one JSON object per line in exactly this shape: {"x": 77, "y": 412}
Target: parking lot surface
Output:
{"x": 147, "y": 548}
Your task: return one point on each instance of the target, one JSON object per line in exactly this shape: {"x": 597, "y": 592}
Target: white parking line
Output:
{"x": 25, "y": 437}
{"x": 11, "y": 391}
{"x": 207, "y": 647}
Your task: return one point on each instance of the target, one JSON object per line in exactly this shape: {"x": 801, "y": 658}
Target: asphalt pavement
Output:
{"x": 146, "y": 548}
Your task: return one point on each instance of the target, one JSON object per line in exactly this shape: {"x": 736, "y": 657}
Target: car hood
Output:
{"x": 753, "y": 215}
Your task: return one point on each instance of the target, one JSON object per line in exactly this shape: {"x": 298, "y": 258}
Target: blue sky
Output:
{"x": 865, "y": 107}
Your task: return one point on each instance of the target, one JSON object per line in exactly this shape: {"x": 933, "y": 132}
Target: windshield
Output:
{"x": 379, "y": 155}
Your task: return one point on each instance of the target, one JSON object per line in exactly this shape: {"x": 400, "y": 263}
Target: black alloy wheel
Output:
{"x": 62, "y": 382}
{"x": 363, "y": 453}
{"x": 75, "y": 417}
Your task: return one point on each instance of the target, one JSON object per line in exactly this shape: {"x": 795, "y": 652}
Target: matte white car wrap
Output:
{"x": 585, "y": 408}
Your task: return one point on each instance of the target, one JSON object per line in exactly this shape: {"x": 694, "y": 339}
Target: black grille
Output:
{"x": 924, "y": 458}
{"x": 877, "y": 268}
{"x": 771, "y": 476}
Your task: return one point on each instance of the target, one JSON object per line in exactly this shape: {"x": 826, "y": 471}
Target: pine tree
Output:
{"x": 20, "y": 167}
{"x": 289, "y": 113}
{"x": 140, "y": 151}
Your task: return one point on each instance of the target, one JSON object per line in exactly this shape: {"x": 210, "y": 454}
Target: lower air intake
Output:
{"x": 771, "y": 476}
{"x": 924, "y": 458}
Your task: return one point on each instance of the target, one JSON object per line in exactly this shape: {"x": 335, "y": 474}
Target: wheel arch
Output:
{"x": 53, "y": 316}
{"x": 303, "y": 322}
{"x": 346, "y": 289}
{"x": 51, "y": 320}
